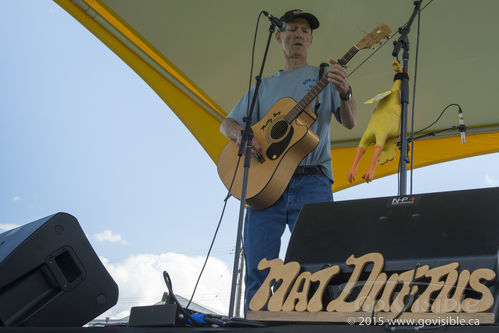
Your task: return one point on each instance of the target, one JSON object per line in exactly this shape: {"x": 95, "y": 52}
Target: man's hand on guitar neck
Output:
{"x": 337, "y": 75}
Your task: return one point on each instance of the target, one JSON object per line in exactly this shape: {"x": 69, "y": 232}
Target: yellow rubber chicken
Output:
{"x": 383, "y": 129}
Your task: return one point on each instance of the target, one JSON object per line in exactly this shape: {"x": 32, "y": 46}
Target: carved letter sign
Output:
{"x": 442, "y": 291}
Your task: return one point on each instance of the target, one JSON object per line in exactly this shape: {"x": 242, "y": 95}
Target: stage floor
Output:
{"x": 320, "y": 328}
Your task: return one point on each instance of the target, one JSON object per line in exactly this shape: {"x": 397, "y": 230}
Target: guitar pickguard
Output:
{"x": 277, "y": 148}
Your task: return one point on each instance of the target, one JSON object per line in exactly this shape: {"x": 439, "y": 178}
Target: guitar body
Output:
{"x": 283, "y": 147}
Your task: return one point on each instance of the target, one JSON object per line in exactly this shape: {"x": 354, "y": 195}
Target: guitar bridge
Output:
{"x": 259, "y": 157}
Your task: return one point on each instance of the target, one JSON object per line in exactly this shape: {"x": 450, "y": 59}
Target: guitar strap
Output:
{"x": 321, "y": 72}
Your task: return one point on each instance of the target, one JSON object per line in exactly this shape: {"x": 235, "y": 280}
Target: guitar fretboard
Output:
{"x": 309, "y": 97}
{"x": 348, "y": 56}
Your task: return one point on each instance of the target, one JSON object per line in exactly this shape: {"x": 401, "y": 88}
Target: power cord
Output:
{"x": 409, "y": 297}
{"x": 235, "y": 172}
{"x": 216, "y": 232}
{"x": 440, "y": 116}
{"x": 197, "y": 319}
{"x": 414, "y": 95}
{"x": 172, "y": 299}
{"x": 460, "y": 128}
{"x": 253, "y": 61}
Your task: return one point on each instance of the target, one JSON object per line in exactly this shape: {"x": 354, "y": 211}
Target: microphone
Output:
{"x": 462, "y": 127}
{"x": 280, "y": 24}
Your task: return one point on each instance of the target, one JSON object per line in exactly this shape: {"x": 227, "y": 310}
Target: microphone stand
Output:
{"x": 245, "y": 146}
{"x": 403, "y": 42}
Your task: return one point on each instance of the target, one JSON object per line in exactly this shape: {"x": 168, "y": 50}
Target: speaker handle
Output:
{"x": 66, "y": 268}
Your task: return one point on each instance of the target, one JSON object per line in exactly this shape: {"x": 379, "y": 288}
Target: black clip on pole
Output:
{"x": 245, "y": 146}
{"x": 403, "y": 42}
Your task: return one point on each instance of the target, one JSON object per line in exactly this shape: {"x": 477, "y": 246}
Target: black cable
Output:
{"x": 373, "y": 312}
{"x": 252, "y": 62}
{"x": 168, "y": 281}
{"x": 235, "y": 172}
{"x": 227, "y": 197}
{"x": 409, "y": 296}
{"x": 376, "y": 50}
{"x": 216, "y": 231}
{"x": 246, "y": 267}
{"x": 402, "y": 158}
{"x": 427, "y": 4}
{"x": 421, "y": 130}
{"x": 414, "y": 96}
{"x": 440, "y": 116}
{"x": 172, "y": 299}
{"x": 414, "y": 92}
{"x": 373, "y": 53}
{"x": 214, "y": 235}
{"x": 248, "y": 109}
{"x": 398, "y": 179}
{"x": 406, "y": 306}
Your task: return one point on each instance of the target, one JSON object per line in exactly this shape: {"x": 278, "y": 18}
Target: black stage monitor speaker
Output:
{"x": 433, "y": 229}
{"x": 434, "y": 225}
{"x": 51, "y": 276}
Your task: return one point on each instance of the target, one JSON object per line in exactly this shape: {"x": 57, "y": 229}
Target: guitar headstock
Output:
{"x": 381, "y": 31}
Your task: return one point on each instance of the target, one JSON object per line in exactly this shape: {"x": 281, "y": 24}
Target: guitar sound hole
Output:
{"x": 278, "y": 130}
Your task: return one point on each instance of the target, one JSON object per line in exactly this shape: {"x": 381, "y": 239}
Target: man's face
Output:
{"x": 296, "y": 39}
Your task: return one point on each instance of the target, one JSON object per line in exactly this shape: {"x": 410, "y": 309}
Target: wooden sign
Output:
{"x": 434, "y": 292}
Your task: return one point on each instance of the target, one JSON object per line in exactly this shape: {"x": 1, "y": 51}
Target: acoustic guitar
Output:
{"x": 285, "y": 138}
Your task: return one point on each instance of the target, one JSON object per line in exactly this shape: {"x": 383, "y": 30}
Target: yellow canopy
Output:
{"x": 195, "y": 54}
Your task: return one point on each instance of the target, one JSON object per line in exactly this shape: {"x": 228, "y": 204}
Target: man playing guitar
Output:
{"x": 312, "y": 180}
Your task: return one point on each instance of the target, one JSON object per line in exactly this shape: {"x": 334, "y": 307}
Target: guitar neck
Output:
{"x": 315, "y": 91}
{"x": 348, "y": 56}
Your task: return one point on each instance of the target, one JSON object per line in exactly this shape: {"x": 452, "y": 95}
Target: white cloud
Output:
{"x": 6, "y": 227}
{"x": 109, "y": 236}
{"x": 491, "y": 181}
{"x": 16, "y": 198}
{"x": 140, "y": 281}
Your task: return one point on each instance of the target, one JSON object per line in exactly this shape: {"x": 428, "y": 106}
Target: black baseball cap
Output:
{"x": 295, "y": 13}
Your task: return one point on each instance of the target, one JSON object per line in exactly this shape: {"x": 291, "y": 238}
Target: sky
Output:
{"x": 81, "y": 133}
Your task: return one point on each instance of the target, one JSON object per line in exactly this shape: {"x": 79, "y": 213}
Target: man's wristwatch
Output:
{"x": 348, "y": 95}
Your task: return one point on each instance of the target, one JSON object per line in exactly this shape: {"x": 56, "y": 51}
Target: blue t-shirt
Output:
{"x": 295, "y": 84}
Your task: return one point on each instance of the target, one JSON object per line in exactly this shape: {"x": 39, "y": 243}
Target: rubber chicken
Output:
{"x": 383, "y": 129}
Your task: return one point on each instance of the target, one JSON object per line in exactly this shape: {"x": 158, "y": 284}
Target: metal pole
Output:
{"x": 404, "y": 100}
{"x": 239, "y": 293}
{"x": 403, "y": 43}
{"x": 235, "y": 268}
{"x": 246, "y": 139}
